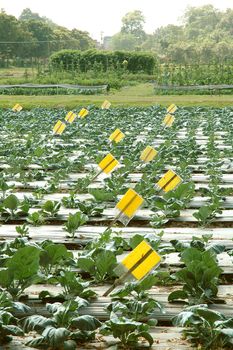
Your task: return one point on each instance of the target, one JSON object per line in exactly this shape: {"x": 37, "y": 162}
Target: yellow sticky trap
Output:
{"x": 128, "y": 205}
{"x": 83, "y": 113}
{"x": 168, "y": 120}
{"x": 17, "y": 108}
{"x": 70, "y": 117}
{"x": 141, "y": 260}
{"x": 117, "y": 136}
{"x": 59, "y": 128}
{"x": 108, "y": 163}
{"x": 106, "y": 104}
{"x": 169, "y": 181}
{"x": 148, "y": 154}
{"x": 172, "y": 108}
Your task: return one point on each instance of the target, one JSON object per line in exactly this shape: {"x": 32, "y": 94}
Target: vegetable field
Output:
{"x": 60, "y": 246}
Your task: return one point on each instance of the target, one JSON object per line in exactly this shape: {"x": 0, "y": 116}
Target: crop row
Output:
{"x": 34, "y": 160}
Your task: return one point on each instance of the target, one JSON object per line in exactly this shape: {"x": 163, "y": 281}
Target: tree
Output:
{"x": 27, "y": 15}
{"x": 43, "y": 35}
{"x": 13, "y": 37}
{"x": 199, "y": 21}
{"x": 226, "y": 22}
{"x": 132, "y": 35}
{"x": 207, "y": 51}
{"x": 124, "y": 41}
{"x": 168, "y": 35}
{"x": 84, "y": 41}
{"x": 132, "y": 23}
{"x": 223, "y": 50}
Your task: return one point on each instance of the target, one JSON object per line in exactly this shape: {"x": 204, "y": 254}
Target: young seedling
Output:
{"x": 74, "y": 221}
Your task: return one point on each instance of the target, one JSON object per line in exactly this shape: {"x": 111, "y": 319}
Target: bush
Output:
{"x": 135, "y": 62}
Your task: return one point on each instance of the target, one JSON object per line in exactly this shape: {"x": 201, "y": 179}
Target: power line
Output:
{"x": 38, "y": 41}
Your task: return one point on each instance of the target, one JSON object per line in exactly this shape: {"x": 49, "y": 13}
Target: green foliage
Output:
{"x": 50, "y": 91}
{"x": 171, "y": 203}
{"x": 74, "y": 221}
{"x": 65, "y": 327}
{"x": 206, "y": 214}
{"x": 22, "y": 230}
{"x": 99, "y": 263}
{"x": 89, "y": 208}
{"x": 201, "y": 244}
{"x": 51, "y": 208}
{"x": 4, "y": 187}
{"x": 126, "y": 330}
{"x": 101, "y": 195}
{"x": 137, "y": 62}
{"x": 73, "y": 285}
{"x": 110, "y": 241}
{"x": 11, "y": 207}
{"x": 35, "y": 32}
{"x": 8, "y": 327}
{"x": 20, "y": 270}
{"x": 206, "y": 328}
{"x": 8, "y": 323}
{"x": 199, "y": 277}
{"x": 140, "y": 309}
{"x": 137, "y": 289}
{"x": 36, "y": 218}
{"x": 53, "y": 256}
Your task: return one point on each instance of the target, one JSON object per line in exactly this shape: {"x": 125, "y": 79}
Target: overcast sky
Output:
{"x": 96, "y": 16}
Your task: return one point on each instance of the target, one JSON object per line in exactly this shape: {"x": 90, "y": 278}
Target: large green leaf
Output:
{"x": 6, "y": 278}
{"x": 147, "y": 336}
{"x": 55, "y": 337}
{"x": 86, "y": 264}
{"x": 13, "y": 330}
{"x": 177, "y": 294}
{"x": 209, "y": 315}
{"x": 37, "y": 322}
{"x": 105, "y": 262}
{"x": 86, "y": 323}
{"x": 184, "y": 318}
{"x": 24, "y": 263}
{"x": 11, "y": 202}
{"x": 53, "y": 254}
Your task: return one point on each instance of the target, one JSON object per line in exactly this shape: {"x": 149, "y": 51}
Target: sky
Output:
{"x": 96, "y": 16}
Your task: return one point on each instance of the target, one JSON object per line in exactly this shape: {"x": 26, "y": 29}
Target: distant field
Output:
{"x": 140, "y": 95}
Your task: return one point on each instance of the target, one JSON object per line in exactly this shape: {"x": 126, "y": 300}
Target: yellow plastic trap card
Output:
{"x": 70, "y": 117}
{"x": 116, "y": 136}
{"x": 59, "y": 128}
{"x": 148, "y": 154}
{"x": 128, "y": 205}
{"x": 83, "y": 113}
{"x": 108, "y": 164}
{"x": 168, "y": 182}
{"x": 17, "y": 108}
{"x": 106, "y": 104}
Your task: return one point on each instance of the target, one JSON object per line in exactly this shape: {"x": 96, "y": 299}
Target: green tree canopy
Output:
{"x": 34, "y": 36}
{"x": 132, "y": 33}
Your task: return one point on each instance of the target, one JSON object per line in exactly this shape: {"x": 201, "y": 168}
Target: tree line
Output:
{"x": 34, "y": 36}
{"x": 204, "y": 36}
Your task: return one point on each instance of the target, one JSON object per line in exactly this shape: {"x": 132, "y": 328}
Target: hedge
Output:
{"x": 83, "y": 61}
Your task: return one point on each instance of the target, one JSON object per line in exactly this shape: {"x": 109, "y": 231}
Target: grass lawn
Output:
{"x": 140, "y": 95}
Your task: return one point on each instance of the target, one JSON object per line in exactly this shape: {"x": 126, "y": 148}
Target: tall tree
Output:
{"x": 132, "y": 23}
{"x": 132, "y": 34}
{"x": 124, "y": 41}
{"x": 27, "y": 15}
{"x": 43, "y": 35}
{"x": 13, "y": 37}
